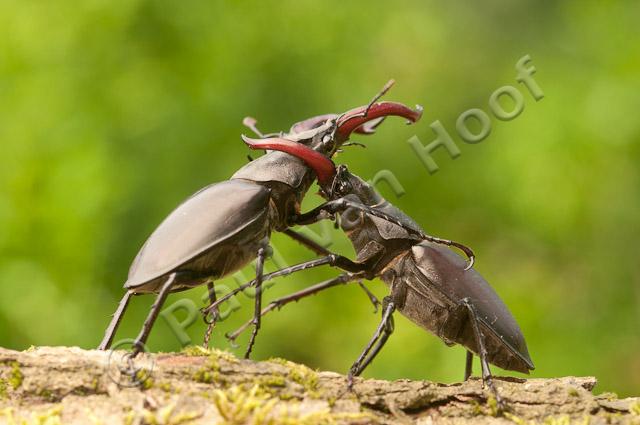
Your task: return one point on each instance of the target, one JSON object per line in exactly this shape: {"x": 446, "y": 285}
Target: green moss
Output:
{"x": 195, "y": 351}
{"x": 167, "y": 416}
{"x": 332, "y": 401}
{"x": 476, "y": 408}
{"x": 213, "y": 364}
{"x": 49, "y": 417}
{"x": 225, "y": 355}
{"x": 82, "y": 391}
{"x": 204, "y": 376}
{"x": 270, "y": 384}
{"x": 279, "y": 360}
{"x": 144, "y": 378}
{"x": 284, "y": 396}
{"x": 210, "y": 372}
{"x": 214, "y": 353}
{"x": 165, "y": 386}
{"x": 635, "y": 408}
{"x": 47, "y": 394}
{"x": 128, "y": 418}
{"x": 515, "y": 419}
{"x": 492, "y": 405}
{"x": 147, "y": 384}
{"x": 272, "y": 381}
{"x": 305, "y": 377}
{"x": 238, "y": 405}
{"x": 573, "y": 392}
{"x": 15, "y": 376}
{"x": 300, "y": 374}
{"x": 3, "y": 389}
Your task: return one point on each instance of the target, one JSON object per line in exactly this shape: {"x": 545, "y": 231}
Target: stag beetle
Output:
{"x": 224, "y": 226}
{"x": 429, "y": 284}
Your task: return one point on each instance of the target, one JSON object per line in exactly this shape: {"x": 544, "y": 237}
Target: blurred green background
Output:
{"x": 112, "y": 112}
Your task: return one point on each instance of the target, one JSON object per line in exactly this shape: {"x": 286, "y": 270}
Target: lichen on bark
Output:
{"x": 51, "y": 385}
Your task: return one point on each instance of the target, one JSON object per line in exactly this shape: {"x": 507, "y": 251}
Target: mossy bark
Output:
{"x": 52, "y": 385}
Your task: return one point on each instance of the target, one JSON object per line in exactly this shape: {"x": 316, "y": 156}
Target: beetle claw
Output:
{"x": 232, "y": 340}
{"x": 472, "y": 260}
{"x": 356, "y": 118}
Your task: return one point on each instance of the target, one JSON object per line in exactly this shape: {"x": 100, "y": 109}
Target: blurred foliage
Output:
{"x": 112, "y": 112}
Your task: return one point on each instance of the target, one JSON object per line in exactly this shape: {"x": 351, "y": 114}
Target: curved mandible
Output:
{"x": 358, "y": 118}
{"x": 324, "y": 168}
{"x": 311, "y": 123}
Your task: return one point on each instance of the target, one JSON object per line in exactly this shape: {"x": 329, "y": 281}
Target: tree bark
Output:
{"x": 51, "y": 385}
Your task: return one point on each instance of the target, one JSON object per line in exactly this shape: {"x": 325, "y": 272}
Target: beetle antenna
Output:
{"x": 250, "y": 123}
{"x": 377, "y": 97}
{"x": 362, "y": 145}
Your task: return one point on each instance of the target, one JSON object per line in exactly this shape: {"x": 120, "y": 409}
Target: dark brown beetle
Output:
{"x": 429, "y": 283}
{"x": 226, "y": 225}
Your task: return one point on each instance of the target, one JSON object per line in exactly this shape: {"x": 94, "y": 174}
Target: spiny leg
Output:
{"x": 141, "y": 339}
{"x": 211, "y": 322}
{"x": 468, "y": 367}
{"x": 363, "y": 359}
{"x": 320, "y": 250}
{"x": 258, "y": 301}
{"x": 486, "y": 372}
{"x": 296, "y": 296}
{"x": 110, "y": 332}
{"x": 388, "y": 330}
{"x": 342, "y": 204}
{"x": 307, "y": 242}
{"x": 374, "y": 300}
{"x": 332, "y": 260}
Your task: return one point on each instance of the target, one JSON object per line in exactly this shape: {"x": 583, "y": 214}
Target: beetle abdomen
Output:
{"x": 195, "y": 233}
{"x": 437, "y": 283}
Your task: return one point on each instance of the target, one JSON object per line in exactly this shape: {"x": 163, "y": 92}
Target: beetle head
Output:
{"x": 327, "y": 133}
{"x": 344, "y": 184}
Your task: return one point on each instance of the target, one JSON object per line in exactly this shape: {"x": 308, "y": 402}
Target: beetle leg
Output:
{"x": 332, "y": 259}
{"x": 342, "y": 204}
{"x": 397, "y": 299}
{"x": 388, "y": 330}
{"x": 468, "y": 367}
{"x": 211, "y": 323}
{"x": 141, "y": 339}
{"x": 115, "y": 322}
{"x": 258, "y": 300}
{"x": 296, "y": 296}
{"x": 382, "y": 333}
{"x": 374, "y": 300}
{"x": 487, "y": 378}
{"x": 320, "y": 250}
{"x": 307, "y": 242}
